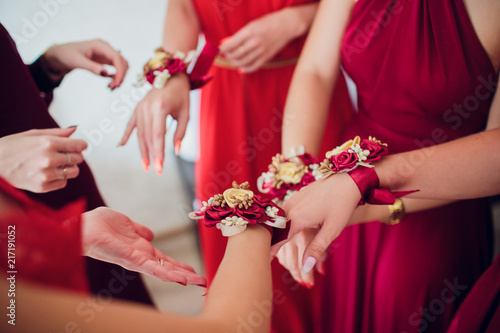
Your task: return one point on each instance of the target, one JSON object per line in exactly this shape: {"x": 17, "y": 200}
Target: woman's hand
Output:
{"x": 260, "y": 40}
{"x": 326, "y": 205}
{"x": 40, "y": 160}
{"x": 150, "y": 119}
{"x": 91, "y": 55}
{"x": 112, "y": 237}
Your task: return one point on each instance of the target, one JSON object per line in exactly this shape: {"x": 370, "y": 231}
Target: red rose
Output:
{"x": 307, "y": 179}
{"x": 214, "y": 214}
{"x": 175, "y": 65}
{"x": 376, "y": 150}
{"x": 308, "y": 159}
{"x": 254, "y": 214}
{"x": 343, "y": 161}
{"x": 281, "y": 192}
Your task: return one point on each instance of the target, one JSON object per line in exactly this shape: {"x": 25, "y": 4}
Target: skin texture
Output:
{"x": 310, "y": 90}
{"x": 244, "y": 275}
{"x": 112, "y": 237}
{"x": 34, "y": 160}
{"x": 249, "y": 48}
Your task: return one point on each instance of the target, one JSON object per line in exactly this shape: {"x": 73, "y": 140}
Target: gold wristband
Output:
{"x": 396, "y": 213}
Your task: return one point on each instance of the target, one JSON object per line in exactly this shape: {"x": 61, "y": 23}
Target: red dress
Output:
{"x": 423, "y": 78}
{"x": 240, "y": 130}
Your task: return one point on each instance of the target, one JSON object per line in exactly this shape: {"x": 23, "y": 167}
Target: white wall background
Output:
{"x": 83, "y": 99}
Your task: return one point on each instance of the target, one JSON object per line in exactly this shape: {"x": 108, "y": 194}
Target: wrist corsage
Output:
{"x": 164, "y": 65}
{"x": 237, "y": 208}
{"x": 287, "y": 175}
{"x": 355, "y": 157}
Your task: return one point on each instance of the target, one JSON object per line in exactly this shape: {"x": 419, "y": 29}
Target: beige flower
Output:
{"x": 158, "y": 60}
{"x": 346, "y": 145}
{"x": 290, "y": 172}
{"x": 235, "y": 196}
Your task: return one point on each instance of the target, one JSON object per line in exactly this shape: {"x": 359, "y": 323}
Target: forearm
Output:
{"x": 308, "y": 99}
{"x": 461, "y": 169}
{"x": 181, "y": 27}
{"x": 303, "y": 17}
{"x": 242, "y": 285}
{"x": 369, "y": 213}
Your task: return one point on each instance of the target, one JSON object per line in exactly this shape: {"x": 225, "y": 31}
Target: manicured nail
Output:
{"x": 73, "y": 126}
{"x": 204, "y": 285}
{"x": 182, "y": 283}
{"x": 321, "y": 268}
{"x": 308, "y": 286}
{"x": 308, "y": 265}
{"x": 177, "y": 147}
{"x": 145, "y": 164}
{"x": 158, "y": 165}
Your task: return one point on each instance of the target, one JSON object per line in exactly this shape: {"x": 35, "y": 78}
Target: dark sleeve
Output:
{"x": 44, "y": 83}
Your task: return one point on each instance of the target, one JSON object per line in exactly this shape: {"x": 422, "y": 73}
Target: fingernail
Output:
{"x": 177, "y": 147}
{"x": 72, "y": 126}
{"x": 202, "y": 285}
{"x": 308, "y": 265}
{"x": 182, "y": 283}
{"x": 321, "y": 269}
{"x": 145, "y": 164}
{"x": 158, "y": 165}
{"x": 104, "y": 73}
{"x": 308, "y": 286}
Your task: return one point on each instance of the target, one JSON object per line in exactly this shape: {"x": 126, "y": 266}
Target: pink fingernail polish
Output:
{"x": 177, "y": 147}
{"x": 182, "y": 283}
{"x": 158, "y": 165}
{"x": 145, "y": 164}
{"x": 202, "y": 285}
{"x": 309, "y": 286}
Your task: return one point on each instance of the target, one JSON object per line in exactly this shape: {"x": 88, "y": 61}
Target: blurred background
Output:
{"x": 83, "y": 99}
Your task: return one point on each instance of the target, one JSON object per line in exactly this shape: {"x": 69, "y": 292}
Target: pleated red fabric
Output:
{"x": 423, "y": 78}
{"x": 240, "y": 130}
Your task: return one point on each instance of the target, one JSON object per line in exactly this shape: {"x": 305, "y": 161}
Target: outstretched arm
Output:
{"x": 240, "y": 292}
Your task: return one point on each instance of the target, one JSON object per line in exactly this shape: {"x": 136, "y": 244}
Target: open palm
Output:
{"x": 112, "y": 237}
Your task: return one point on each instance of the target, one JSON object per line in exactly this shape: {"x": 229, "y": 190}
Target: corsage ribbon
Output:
{"x": 368, "y": 183}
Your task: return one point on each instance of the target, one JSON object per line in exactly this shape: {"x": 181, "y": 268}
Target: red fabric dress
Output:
{"x": 240, "y": 130}
{"x": 423, "y": 78}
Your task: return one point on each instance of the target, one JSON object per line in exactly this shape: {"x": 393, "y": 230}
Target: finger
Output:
{"x": 67, "y": 145}
{"x": 141, "y": 137}
{"x": 160, "y": 255}
{"x": 103, "y": 53}
{"x": 52, "y": 186}
{"x": 167, "y": 272}
{"x": 182, "y": 122}
{"x": 293, "y": 263}
{"x": 58, "y": 159}
{"x": 143, "y": 231}
{"x": 243, "y": 50}
{"x": 318, "y": 246}
{"x": 61, "y": 132}
{"x": 159, "y": 129}
{"x": 257, "y": 64}
{"x": 232, "y": 43}
{"x": 92, "y": 66}
{"x": 121, "y": 66}
{"x": 276, "y": 247}
{"x": 249, "y": 58}
{"x": 148, "y": 134}
{"x": 129, "y": 129}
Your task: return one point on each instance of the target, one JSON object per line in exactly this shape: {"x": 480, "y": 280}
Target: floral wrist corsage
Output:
{"x": 237, "y": 208}
{"x": 287, "y": 175}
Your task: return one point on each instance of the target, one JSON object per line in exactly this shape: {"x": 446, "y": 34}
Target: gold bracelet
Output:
{"x": 396, "y": 213}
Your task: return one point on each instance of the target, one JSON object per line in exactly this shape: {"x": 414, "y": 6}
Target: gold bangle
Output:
{"x": 396, "y": 213}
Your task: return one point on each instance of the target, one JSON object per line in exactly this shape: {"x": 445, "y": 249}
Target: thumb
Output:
{"x": 317, "y": 247}
{"x": 182, "y": 122}
{"x": 92, "y": 66}
{"x": 60, "y": 132}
